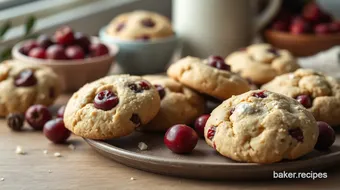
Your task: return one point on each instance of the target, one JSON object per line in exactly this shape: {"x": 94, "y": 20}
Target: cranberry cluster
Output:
{"x": 312, "y": 19}
{"x": 65, "y": 44}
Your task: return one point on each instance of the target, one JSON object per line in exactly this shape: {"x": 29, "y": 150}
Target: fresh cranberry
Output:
{"x": 143, "y": 37}
{"x": 120, "y": 27}
{"x": 74, "y": 52}
{"x": 148, "y": 22}
{"x": 180, "y": 139}
{"x": 139, "y": 87}
{"x": 60, "y": 112}
{"x": 296, "y": 133}
{"x": 28, "y": 46}
{"x": 56, "y": 52}
{"x": 37, "y": 116}
{"x": 136, "y": 120}
{"x": 260, "y": 94}
{"x": 200, "y": 124}
{"x": 44, "y": 41}
{"x": 305, "y": 100}
{"x": 300, "y": 28}
{"x": 321, "y": 29}
{"x": 38, "y": 52}
{"x": 211, "y": 132}
{"x": 298, "y": 20}
{"x": 56, "y": 131}
{"x": 326, "y": 136}
{"x": 98, "y": 50}
{"x": 280, "y": 25}
{"x": 334, "y": 27}
{"x": 64, "y": 36}
{"x": 83, "y": 41}
{"x": 161, "y": 90}
{"x": 312, "y": 12}
{"x": 105, "y": 100}
{"x": 25, "y": 78}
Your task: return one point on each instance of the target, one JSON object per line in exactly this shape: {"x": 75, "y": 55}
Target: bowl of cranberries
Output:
{"x": 74, "y": 56}
{"x": 306, "y": 33}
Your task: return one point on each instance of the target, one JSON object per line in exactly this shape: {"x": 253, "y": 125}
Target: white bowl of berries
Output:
{"x": 75, "y": 57}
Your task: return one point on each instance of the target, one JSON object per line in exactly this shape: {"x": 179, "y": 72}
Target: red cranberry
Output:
{"x": 161, "y": 90}
{"x": 25, "y": 78}
{"x": 37, "y": 116}
{"x": 213, "y": 58}
{"x": 28, "y": 46}
{"x": 56, "y": 131}
{"x": 260, "y": 94}
{"x": 312, "y": 12}
{"x": 37, "y": 52}
{"x": 273, "y": 51}
{"x": 83, "y": 41}
{"x": 180, "y": 139}
{"x": 211, "y": 132}
{"x": 136, "y": 120}
{"x": 56, "y": 52}
{"x": 143, "y": 38}
{"x": 200, "y": 124}
{"x": 280, "y": 25}
{"x": 300, "y": 28}
{"x": 298, "y": 19}
{"x": 321, "y": 29}
{"x": 64, "y": 35}
{"x": 60, "y": 112}
{"x": 296, "y": 133}
{"x": 105, "y": 100}
{"x": 326, "y": 136}
{"x": 305, "y": 100}
{"x": 139, "y": 87}
{"x": 44, "y": 41}
{"x": 74, "y": 52}
{"x": 144, "y": 85}
{"x": 220, "y": 65}
{"x": 148, "y": 22}
{"x": 120, "y": 26}
{"x": 98, "y": 50}
{"x": 334, "y": 27}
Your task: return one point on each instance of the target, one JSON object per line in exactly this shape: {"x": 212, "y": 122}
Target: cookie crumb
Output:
{"x": 71, "y": 146}
{"x": 57, "y": 154}
{"x": 132, "y": 178}
{"x": 2, "y": 179}
{"x": 142, "y": 146}
{"x": 19, "y": 150}
{"x": 45, "y": 151}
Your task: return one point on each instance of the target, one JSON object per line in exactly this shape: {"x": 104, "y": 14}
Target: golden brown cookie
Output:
{"x": 261, "y": 126}
{"x": 208, "y": 76}
{"x": 111, "y": 107}
{"x": 261, "y": 62}
{"x": 22, "y": 85}
{"x": 179, "y": 104}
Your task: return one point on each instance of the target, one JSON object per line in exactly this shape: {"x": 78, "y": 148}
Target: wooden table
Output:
{"x": 83, "y": 168}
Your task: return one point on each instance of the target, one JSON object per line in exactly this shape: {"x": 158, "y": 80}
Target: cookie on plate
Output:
{"x": 22, "y": 85}
{"x": 211, "y": 76}
{"x": 179, "y": 104}
{"x": 319, "y": 93}
{"x": 111, "y": 107}
{"x": 261, "y": 62}
{"x": 262, "y": 127}
{"x": 140, "y": 25}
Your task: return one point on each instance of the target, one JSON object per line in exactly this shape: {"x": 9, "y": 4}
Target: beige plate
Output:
{"x": 203, "y": 162}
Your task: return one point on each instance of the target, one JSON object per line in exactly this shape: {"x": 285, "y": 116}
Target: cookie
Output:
{"x": 261, "y": 62}
{"x": 210, "y": 76}
{"x": 140, "y": 25}
{"x": 111, "y": 107}
{"x": 262, "y": 127}
{"x": 319, "y": 93}
{"x": 179, "y": 104}
{"x": 22, "y": 85}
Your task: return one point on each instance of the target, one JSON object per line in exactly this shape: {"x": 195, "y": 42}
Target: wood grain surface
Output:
{"x": 84, "y": 168}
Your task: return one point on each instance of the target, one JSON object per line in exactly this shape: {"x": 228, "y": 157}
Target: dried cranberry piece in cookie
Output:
{"x": 143, "y": 37}
{"x": 211, "y": 132}
{"x": 305, "y": 100}
{"x": 148, "y": 22}
{"x": 136, "y": 120}
{"x": 120, "y": 27}
{"x": 105, "y": 100}
{"x": 260, "y": 94}
{"x": 218, "y": 62}
{"x": 139, "y": 87}
{"x": 296, "y": 133}
{"x": 160, "y": 89}
{"x": 273, "y": 51}
{"x": 25, "y": 78}
{"x": 232, "y": 111}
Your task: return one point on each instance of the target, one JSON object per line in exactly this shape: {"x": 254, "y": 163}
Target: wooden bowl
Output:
{"x": 301, "y": 45}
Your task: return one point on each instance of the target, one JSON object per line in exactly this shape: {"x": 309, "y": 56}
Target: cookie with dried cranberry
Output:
{"x": 210, "y": 76}
{"x": 22, "y": 85}
{"x": 179, "y": 104}
{"x": 319, "y": 93}
{"x": 111, "y": 107}
{"x": 140, "y": 25}
{"x": 261, "y": 62}
{"x": 262, "y": 127}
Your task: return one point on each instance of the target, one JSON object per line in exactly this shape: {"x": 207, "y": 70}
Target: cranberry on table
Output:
{"x": 56, "y": 131}
{"x": 322, "y": 29}
{"x": 60, "y": 112}
{"x": 98, "y": 50}
{"x": 160, "y": 89}
{"x": 326, "y": 136}
{"x": 83, "y": 41}
{"x": 74, "y": 52}
{"x": 305, "y": 100}
{"x": 64, "y": 36}
{"x": 37, "y": 116}
{"x": 25, "y": 78}
{"x": 27, "y": 47}
{"x": 180, "y": 139}
{"x": 56, "y": 52}
{"x": 105, "y": 100}
{"x": 200, "y": 124}
{"x": 44, "y": 41}
{"x": 38, "y": 52}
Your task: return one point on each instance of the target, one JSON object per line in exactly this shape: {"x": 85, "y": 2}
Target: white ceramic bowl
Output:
{"x": 74, "y": 73}
{"x": 142, "y": 57}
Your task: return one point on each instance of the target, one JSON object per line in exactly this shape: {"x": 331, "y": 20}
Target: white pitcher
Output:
{"x": 218, "y": 27}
